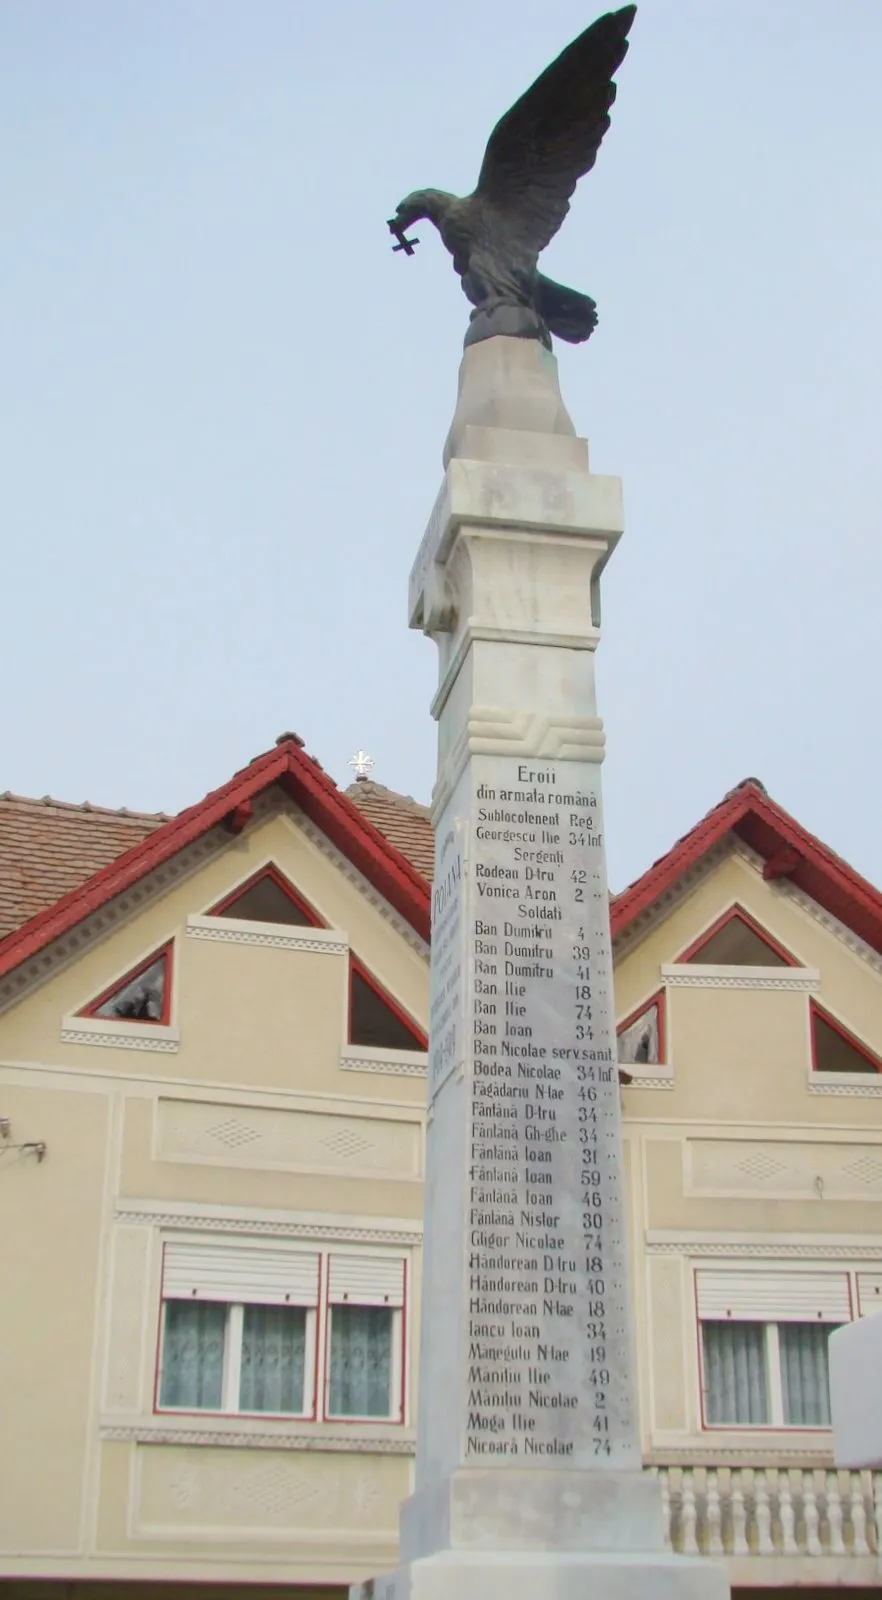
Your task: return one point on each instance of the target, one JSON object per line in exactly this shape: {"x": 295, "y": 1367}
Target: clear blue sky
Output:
{"x": 223, "y": 399}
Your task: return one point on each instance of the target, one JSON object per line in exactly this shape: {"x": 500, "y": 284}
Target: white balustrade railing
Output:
{"x": 768, "y": 1511}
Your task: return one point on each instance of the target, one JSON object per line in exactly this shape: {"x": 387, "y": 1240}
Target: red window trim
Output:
{"x": 164, "y": 951}
{"x": 737, "y": 911}
{"x": 744, "y": 1427}
{"x": 281, "y": 882}
{"x": 857, "y": 1044}
{"x": 658, "y": 999}
{"x": 325, "y": 1413}
{"x": 355, "y": 966}
{"x": 181, "y": 1411}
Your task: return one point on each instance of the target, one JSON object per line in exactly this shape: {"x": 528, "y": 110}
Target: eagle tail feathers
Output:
{"x": 566, "y": 313}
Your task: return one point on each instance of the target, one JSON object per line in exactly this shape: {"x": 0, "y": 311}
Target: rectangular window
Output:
{"x": 766, "y": 1374}
{"x": 360, "y": 1382}
{"x": 764, "y": 1334}
{"x": 248, "y": 1330}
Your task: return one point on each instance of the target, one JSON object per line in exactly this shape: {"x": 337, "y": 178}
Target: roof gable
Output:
{"x": 786, "y": 849}
{"x": 304, "y": 781}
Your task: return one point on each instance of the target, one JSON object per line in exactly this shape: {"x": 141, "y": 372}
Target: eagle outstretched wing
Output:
{"x": 549, "y": 139}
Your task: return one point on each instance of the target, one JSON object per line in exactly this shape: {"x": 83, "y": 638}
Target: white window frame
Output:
{"x": 396, "y": 1376}
{"x": 317, "y": 1344}
{"x": 234, "y": 1327}
{"x": 756, "y": 1310}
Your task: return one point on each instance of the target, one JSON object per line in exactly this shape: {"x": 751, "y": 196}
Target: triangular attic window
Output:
{"x": 143, "y": 995}
{"x": 834, "y": 1049}
{"x": 641, "y": 1036}
{"x": 375, "y": 1019}
{"x": 268, "y": 897}
{"x": 737, "y": 941}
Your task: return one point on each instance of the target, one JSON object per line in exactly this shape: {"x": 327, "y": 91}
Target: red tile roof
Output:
{"x": 787, "y": 851}
{"x": 401, "y": 819}
{"x": 48, "y": 848}
{"x": 302, "y": 778}
{"x": 60, "y": 862}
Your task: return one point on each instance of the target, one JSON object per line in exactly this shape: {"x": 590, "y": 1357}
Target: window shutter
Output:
{"x": 243, "y": 1274}
{"x": 869, "y": 1293}
{"x": 773, "y": 1296}
{"x": 366, "y": 1280}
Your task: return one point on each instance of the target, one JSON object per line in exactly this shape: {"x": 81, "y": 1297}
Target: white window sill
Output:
{"x": 647, "y": 1075}
{"x": 390, "y": 1063}
{"x": 268, "y": 935}
{"x": 695, "y": 975}
{"x": 261, "y": 1433}
{"x": 119, "y": 1035}
{"x": 861, "y": 1085}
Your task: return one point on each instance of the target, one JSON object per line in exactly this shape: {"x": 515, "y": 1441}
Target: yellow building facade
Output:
{"x": 212, "y": 1084}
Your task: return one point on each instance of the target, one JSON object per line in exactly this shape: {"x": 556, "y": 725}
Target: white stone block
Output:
{"x": 855, "y": 1354}
{"x": 498, "y": 1575}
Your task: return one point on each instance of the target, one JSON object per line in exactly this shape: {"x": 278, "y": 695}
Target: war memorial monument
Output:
{"x": 529, "y": 1479}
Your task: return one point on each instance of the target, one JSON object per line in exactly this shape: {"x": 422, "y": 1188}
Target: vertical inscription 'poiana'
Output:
{"x": 548, "y": 1358}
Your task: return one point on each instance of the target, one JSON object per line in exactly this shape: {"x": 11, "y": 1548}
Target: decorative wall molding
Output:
{"x": 239, "y": 1435}
{"x": 863, "y": 1086}
{"x": 263, "y": 1138}
{"x": 387, "y": 1063}
{"x": 150, "y": 1036}
{"x": 687, "y": 975}
{"x": 747, "y": 1249}
{"x": 647, "y": 1080}
{"x": 767, "y": 1448}
{"x": 269, "y": 935}
{"x": 159, "y": 1214}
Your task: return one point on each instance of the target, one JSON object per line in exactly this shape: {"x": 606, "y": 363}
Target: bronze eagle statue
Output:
{"x": 535, "y": 156}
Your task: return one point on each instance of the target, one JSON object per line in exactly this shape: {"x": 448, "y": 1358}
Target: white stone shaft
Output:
{"x": 528, "y": 1476}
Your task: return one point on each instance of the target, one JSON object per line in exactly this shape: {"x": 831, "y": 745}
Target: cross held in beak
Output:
{"x": 400, "y": 233}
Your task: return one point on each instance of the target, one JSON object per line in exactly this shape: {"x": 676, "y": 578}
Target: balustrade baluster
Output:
{"x": 714, "y": 1517}
{"x": 811, "y": 1515}
{"x": 834, "y": 1514}
{"x": 859, "y": 1546}
{"x": 663, "y": 1477}
{"x": 740, "y": 1546}
{"x": 785, "y": 1512}
{"x": 765, "y": 1546}
{"x": 688, "y": 1514}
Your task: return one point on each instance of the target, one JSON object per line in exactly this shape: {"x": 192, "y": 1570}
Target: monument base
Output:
{"x": 544, "y": 1575}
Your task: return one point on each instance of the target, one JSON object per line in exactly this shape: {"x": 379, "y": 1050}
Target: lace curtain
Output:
{"x": 736, "y": 1373}
{"x": 804, "y": 1374}
{"x": 193, "y": 1355}
{"x": 361, "y": 1361}
{"x": 273, "y": 1359}
{"x": 736, "y": 1389}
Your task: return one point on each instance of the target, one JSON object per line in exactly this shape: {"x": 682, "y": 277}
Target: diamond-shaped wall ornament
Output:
{"x": 866, "y": 1170}
{"x": 345, "y": 1142}
{"x": 232, "y": 1133}
{"x": 761, "y": 1166}
{"x": 276, "y": 1488}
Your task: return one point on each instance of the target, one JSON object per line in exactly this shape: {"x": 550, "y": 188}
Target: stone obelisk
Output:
{"x": 529, "y": 1478}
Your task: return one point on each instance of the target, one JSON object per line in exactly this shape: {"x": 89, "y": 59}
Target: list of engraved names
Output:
{"x": 547, "y": 1329}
